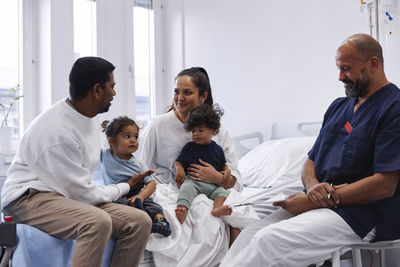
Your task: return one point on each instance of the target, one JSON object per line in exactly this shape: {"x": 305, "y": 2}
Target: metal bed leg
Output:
{"x": 6, "y": 257}
{"x": 382, "y": 257}
{"x": 356, "y": 257}
{"x": 336, "y": 258}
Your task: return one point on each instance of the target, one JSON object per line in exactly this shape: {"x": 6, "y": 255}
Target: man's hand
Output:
{"x": 136, "y": 182}
{"x": 323, "y": 195}
{"x": 296, "y": 204}
{"x": 132, "y": 199}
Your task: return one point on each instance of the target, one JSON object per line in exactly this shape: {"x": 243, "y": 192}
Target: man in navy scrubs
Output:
{"x": 351, "y": 176}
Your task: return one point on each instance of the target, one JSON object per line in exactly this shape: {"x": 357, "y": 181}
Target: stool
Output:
{"x": 356, "y": 251}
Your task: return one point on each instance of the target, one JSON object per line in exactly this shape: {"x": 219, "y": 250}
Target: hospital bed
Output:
{"x": 270, "y": 171}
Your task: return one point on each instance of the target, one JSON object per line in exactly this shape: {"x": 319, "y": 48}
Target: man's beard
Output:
{"x": 359, "y": 88}
{"x": 104, "y": 108}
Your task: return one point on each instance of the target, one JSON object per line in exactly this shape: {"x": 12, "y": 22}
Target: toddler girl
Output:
{"x": 118, "y": 165}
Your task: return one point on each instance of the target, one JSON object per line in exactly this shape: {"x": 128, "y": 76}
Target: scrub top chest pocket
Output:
{"x": 359, "y": 144}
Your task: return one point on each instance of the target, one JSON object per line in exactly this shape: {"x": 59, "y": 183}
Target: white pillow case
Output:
{"x": 274, "y": 161}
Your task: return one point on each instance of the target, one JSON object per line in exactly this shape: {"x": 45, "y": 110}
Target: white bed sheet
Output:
{"x": 272, "y": 171}
{"x": 262, "y": 198}
{"x": 191, "y": 243}
{"x": 187, "y": 246}
{"x": 275, "y": 165}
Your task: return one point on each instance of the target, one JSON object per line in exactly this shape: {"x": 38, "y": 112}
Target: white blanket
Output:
{"x": 202, "y": 240}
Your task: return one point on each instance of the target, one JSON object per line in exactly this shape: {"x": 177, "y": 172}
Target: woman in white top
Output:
{"x": 165, "y": 136}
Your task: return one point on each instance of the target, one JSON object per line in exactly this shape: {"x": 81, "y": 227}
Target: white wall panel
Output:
{"x": 267, "y": 60}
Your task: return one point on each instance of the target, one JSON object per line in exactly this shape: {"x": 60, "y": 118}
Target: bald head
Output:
{"x": 360, "y": 62}
{"x": 365, "y": 45}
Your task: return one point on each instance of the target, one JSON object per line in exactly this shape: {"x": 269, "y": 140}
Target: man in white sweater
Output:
{"x": 49, "y": 183}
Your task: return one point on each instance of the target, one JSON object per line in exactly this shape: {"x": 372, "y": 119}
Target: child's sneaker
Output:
{"x": 161, "y": 226}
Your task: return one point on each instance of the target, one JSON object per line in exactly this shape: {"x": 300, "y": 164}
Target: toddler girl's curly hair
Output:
{"x": 204, "y": 115}
{"x": 116, "y": 125}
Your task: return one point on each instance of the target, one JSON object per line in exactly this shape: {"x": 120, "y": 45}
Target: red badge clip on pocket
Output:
{"x": 348, "y": 127}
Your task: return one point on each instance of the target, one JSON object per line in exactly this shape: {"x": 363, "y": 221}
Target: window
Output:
{"x": 143, "y": 41}
{"x": 84, "y": 28}
{"x": 9, "y": 61}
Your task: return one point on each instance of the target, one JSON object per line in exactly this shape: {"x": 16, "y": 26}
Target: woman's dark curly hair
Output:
{"x": 116, "y": 125}
{"x": 204, "y": 115}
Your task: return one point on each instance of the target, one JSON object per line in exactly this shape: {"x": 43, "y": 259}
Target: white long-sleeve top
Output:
{"x": 164, "y": 138}
{"x": 58, "y": 153}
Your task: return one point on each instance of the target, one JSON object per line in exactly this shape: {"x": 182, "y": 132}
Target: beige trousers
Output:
{"x": 91, "y": 226}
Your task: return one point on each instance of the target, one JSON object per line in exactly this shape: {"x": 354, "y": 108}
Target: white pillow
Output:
{"x": 275, "y": 159}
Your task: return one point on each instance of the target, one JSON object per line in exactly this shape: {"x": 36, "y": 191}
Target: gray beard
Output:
{"x": 359, "y": 89}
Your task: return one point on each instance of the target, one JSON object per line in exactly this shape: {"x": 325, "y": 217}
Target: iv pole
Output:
{"x": 377, "y": 20}
{"x": 370, "y": 6}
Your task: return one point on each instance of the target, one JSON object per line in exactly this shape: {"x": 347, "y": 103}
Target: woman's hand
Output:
{"x": 205, "y": 173}
{"x": 136, "y": 182}
{"x": 226, "y": 172}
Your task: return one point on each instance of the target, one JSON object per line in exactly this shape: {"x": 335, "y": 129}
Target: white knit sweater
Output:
{"x": 58, "y": 153}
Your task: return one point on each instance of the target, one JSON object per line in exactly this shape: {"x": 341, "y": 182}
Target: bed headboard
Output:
{"x": 279, "y": 130}
{"x": 288, "y": 129}
{"x": 246, "y": 142}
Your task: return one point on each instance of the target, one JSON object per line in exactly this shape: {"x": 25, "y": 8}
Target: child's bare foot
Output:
{"x": 221, "y": 211}
{"x": 180, "y": 213}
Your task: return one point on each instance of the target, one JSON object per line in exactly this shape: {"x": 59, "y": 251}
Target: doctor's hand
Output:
{"x": 204, "y": 173}
{"x": 296, "y": 204}
{"x": 323, "y": 195}
{"x": 136, "y": 182}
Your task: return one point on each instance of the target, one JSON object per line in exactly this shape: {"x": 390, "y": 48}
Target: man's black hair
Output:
{"x": 85, "y": 73}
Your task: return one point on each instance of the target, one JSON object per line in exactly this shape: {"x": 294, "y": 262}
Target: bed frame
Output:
{"x": 246, "y": 142}
{"x": 289, "y": 129}
{"x": 279, "y": 130}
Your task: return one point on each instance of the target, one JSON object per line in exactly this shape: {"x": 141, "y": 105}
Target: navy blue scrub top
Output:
{"x": 352, "y": 146}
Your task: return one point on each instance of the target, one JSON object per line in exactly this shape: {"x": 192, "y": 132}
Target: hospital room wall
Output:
{"x": 267, "y": 60}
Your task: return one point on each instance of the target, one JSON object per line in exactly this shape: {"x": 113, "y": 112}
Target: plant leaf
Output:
{"x": 7, "y": 108}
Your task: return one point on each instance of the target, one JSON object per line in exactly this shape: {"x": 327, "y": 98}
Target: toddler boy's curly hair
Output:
{"x": 204, "y": 115}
